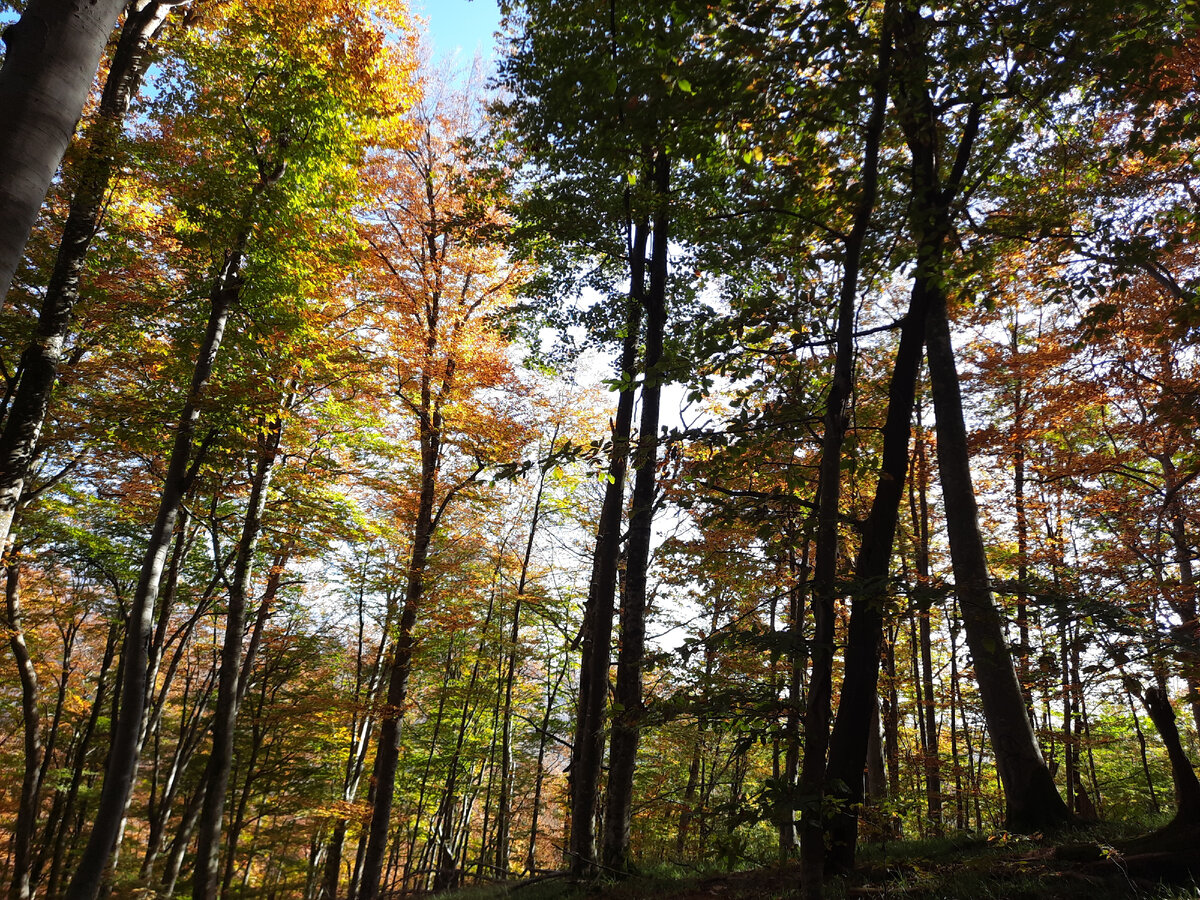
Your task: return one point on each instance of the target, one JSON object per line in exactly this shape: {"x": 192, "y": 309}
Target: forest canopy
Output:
{"x": 718, "y": 436}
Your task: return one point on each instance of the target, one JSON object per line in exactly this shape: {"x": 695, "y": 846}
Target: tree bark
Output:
{"x": 626, "y": 727}
{"x": 818, "y": 712}
{"x": 52, "y": 53}
{"x": 1032, "y": 802}
{"x": 123, "y": 755}
{"x": 1187, "y": 786}
{"x": 220, "y": 760}
{"x": 27, "y": 805}
{"x": 41, "y": 359}
{"x": 587, "y": 752}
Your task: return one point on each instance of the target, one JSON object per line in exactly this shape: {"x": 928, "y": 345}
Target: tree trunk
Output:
{"x": 504, "y": 804}
{"x": 52, "y": 53}
{"x": 797, "y": 662}
{"x": 1187, "y": 786}
{"x": 40, "y": 361}
{"x": 539, "y": 777}
{"x": 59, "y": 825}
{"x": 587, "y": 752}
{"x": 220, "y": 760}
{"x": 818, "y": 713}
{"x": 123, "y": 755}
{"x": 387, "y": 754}
{"x": 27, "y": 805}
{"x": 928, "y": 711}
{"x": 626, "y": 727}
{"x": 1032, "y": 802}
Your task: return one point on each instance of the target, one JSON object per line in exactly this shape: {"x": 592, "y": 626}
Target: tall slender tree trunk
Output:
{"x": 626, "y": 727}
{"x": 539, "y": 777}
{"x": 587, "y": 752}
{"x": 123, "y": 755}
{"x": 1031, "y": 800}
{"x": 504, "y": 801}
{"x": 387, "y": 754}
{"x": 930, "y": 227}
{"x": 819, "y": 709}
{"x": 930, "y": 751}
{"x": 41, "y": 359}
{"x": 27, "y": 805}
{"x": 51, "y": 56}
{"x": 220, "y": 760}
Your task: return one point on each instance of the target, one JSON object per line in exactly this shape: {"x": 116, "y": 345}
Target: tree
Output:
{"x": 442, "y": 284}
{"x": 42, "y": 357}
{"x": 52, "y": 53}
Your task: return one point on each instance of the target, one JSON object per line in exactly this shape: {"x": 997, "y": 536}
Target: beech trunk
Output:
{"x": 42, "y": 357}
{"x": 123, "y": 754}
{"x": 626, "y": 727}
{"x": 52, "y": 53}
{"x": 587, "y": 753}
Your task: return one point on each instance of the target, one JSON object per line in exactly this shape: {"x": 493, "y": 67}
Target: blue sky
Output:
{"x": 462, "y": 25}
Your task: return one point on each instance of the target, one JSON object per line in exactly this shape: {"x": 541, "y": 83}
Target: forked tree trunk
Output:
{"x": 626, "y": 728}
{"x": 587, "y": 752}
{"x": 52, "y": 53}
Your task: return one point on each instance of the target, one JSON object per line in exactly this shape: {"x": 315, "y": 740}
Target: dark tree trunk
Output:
{"x": 1032, "y": 802}
{"x": 928, "y": 711}
{"x": 626, "y": 727}
{"x": 52, "y": 53}
{"x": 818, "y": 713}
{"x": 1187, "y": 786}
{"x": 848, "y": 744}
{"x": 587, "y": 752}
{"x": 123, "y": 755}
{"x": 220, "y": 760}
{"x": 40, "y": 361}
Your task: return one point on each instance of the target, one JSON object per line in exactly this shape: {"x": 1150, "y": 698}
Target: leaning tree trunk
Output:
{"x": 587, "y": 753}
{"x": 220, "y": 760}
{"x": 52, "y": 53}
{"x": 40, "y": 361}
{"x": 123, "y": 754}
{"x": 1187, "y": 786}
{"x": 626, "y": 726}
{"x": 1031, "y": 800}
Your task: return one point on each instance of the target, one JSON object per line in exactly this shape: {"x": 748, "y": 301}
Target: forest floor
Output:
{"x": 1002, "y": 867}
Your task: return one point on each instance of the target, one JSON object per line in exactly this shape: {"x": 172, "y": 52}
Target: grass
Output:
{"x": 998, "y": 867}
